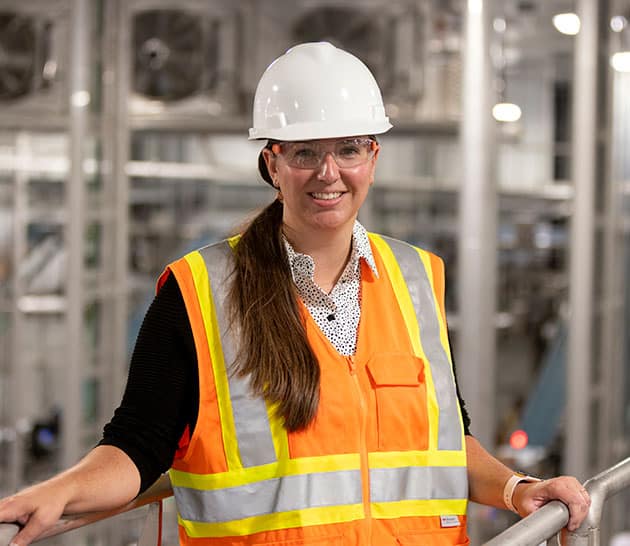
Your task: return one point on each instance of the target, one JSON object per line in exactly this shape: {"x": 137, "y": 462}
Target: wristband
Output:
{"x": 510, "y": 486}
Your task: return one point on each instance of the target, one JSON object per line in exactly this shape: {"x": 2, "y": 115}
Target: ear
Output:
{"x": 270, "y": 161}
{"x": 373, "y": 165}
{"x": 376, "y": 152}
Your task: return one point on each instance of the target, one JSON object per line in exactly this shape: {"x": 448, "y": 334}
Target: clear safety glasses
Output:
{"x": 347, "y": 152}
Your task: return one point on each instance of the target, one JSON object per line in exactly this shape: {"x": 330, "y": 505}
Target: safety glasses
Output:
{"x": 347, "y": 152}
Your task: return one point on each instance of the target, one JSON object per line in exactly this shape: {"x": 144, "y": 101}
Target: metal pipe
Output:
{"x": 534, "y": 529}
{"x": 477, "y": 233}
{"x": 17, "y": 409}
{"x": 584, "y": 115}
{"x": 75, "y": 230}
{"x": 477, "y": 227}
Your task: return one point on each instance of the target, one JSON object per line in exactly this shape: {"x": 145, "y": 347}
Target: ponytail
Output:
{"x": 273, "y": 350}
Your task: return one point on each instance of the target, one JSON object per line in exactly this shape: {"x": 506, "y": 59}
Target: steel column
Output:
{"x": 477, "y": 237}
{"x": 580, "y": 354}
{"x": 477, "y": 226}
{"x": 75, "y": 229}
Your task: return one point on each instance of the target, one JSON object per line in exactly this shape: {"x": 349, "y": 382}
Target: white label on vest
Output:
{"x": 449, "y": 521}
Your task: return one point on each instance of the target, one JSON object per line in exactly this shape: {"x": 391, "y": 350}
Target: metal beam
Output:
{"x": 581, "y": 294}
{"x": 75, "y": 229}
{"x": 477, "y": 226}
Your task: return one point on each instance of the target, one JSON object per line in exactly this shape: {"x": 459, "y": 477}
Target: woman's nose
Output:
{"x": 328, "y": 169}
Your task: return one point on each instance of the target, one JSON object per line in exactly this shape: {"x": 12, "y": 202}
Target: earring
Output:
{"x": 280, "y": 197}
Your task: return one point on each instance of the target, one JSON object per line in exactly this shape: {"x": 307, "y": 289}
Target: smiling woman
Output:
{"x": 296, "y": 380}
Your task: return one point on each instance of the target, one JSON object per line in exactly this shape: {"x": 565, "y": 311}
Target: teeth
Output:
{"x": 326, "y": 196}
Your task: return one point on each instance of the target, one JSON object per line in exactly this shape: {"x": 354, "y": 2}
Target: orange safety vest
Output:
{"x": 384, "y": 461}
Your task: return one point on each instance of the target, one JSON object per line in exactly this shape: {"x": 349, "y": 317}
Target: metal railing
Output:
{"x": 536, "y": 528}
{"x": 152, "y": 530}
{"x": 547, "y": 522}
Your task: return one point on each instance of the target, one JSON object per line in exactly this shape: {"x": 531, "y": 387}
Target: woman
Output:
{"x": 301, "y": 388}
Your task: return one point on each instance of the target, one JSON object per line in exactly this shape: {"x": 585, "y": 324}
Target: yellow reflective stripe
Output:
{"x": 399, "y": 509}
{"x": 286, "y": 467}
{"x": 279, "y": 434}
{"x": 228, "y": 429}
{"x": 416, "y": 458}
{"x": 272, "y": 522}
{"x": 409, "y": 316}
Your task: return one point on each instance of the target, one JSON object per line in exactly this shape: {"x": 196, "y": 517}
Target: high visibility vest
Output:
{"x": 384, "y": 461}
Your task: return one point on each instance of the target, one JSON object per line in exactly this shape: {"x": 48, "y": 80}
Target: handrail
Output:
{"x": 535, "y": 528}
{"x": 600, "y": 487}
{"x": 160, "y": 490}
{"x": 530, "y": 531}
{"x": 551, "y": 518}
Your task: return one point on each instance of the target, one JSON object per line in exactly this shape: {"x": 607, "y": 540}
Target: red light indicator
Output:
{"x": 518, "y": 439}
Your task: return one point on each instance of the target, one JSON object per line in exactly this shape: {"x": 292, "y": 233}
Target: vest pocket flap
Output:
{"x": 396, "y": 369}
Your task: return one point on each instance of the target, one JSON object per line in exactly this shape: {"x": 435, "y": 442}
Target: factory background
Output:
{"x": 123, "y": 144}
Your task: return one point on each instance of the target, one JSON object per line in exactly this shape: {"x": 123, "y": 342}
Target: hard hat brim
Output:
{"x": 313, "y": 131}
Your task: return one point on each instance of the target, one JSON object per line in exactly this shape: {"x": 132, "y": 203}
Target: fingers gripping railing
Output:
{"x": 551, "y": 518}
{"x": 152, "y": 530}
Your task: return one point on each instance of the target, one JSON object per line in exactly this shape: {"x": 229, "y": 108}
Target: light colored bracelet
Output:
{"x": 510, "y": 486}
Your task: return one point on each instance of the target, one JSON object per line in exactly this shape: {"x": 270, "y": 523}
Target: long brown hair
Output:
{"x": 273, "y": 348}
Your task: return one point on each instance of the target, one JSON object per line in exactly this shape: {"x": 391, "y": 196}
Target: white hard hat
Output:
{"x": 316, "y": 90}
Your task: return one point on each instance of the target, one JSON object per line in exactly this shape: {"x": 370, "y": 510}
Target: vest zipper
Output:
{"x": 365, "y": 472}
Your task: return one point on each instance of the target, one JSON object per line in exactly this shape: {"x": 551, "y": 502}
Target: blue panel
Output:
{"x": 545, "y": 406}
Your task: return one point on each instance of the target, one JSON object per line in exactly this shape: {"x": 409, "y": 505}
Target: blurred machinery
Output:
{"x": 184, "y": 57}
{"x": 33, "y": 57}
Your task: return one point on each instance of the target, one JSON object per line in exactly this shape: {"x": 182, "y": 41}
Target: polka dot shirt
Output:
{"x": 337, "y": 314}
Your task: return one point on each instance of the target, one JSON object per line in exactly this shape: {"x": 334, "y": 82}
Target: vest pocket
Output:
{"x": 401, "y": 401}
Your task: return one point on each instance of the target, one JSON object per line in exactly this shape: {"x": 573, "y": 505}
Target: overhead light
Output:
{"x": 80, "y": 99}
{"x": 499, "y": 24}
{"x": 506, "y": 111}
{"x": 618, "y": 23}
{"x": 620, "y": 61}
{"x": 567, "y": 23}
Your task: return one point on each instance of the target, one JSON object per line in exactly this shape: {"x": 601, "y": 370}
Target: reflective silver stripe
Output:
{"x": 421, "y": 293}
{"x": 270, "y": 496}
{"x": 418, "y": 483}
{"x": 251, "y": 421}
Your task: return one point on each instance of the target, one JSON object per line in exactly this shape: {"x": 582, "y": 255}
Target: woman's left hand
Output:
{"x": 530, "y": 496}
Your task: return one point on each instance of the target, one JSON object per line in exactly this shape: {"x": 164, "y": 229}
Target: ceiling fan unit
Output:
{"x": 33, "y": 55}
{"x": 184, "y": 58}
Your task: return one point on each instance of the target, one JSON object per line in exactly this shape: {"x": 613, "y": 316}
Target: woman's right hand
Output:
{"x": 104, "y": 479}
{"x": 36, "y": 509}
